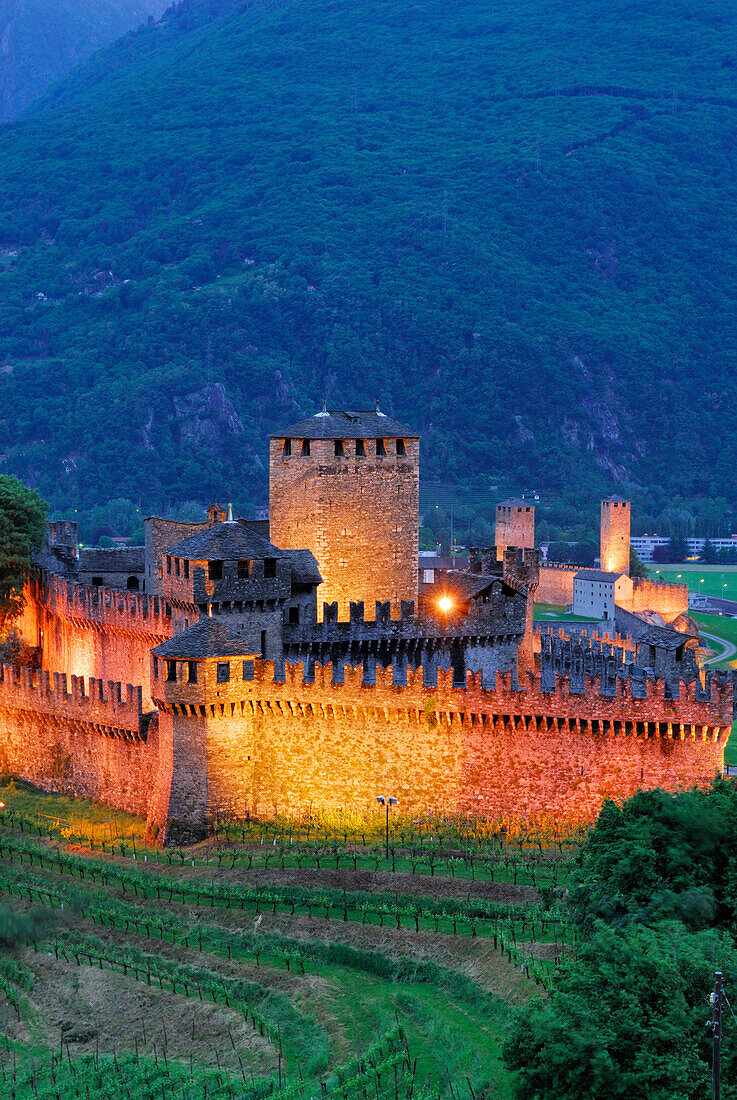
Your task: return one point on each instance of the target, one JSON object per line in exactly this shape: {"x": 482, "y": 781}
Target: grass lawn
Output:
{"x": 721, "y": 627}
{"x": 712, "y": 580}
{"x": 543, "y": 611}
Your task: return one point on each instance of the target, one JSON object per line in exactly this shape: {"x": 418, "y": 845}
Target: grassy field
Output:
{"x": 270, "y": 961}
{"x": 710, "y": 580}
{"x": 543, "y": 611}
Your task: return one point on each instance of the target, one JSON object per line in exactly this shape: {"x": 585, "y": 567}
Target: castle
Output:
{"x": 296, "y": 665}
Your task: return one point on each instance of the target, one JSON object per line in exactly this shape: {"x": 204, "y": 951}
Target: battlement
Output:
{"x": 562, "y": 566}
{"x": 599, "y": 688}
{"x": 108, "y": 608}
{"x": 111, "y": 705}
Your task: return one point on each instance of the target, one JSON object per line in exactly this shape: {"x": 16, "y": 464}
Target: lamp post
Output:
{"x": 386, "y": 802}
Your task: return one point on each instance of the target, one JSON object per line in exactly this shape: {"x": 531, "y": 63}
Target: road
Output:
{"x": 728, "y": 606}
{"x": 729, "y": 649}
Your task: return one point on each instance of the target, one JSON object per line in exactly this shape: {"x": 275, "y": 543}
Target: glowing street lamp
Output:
{"x": 386, "y": 801}
{"x": 445, "y": 604}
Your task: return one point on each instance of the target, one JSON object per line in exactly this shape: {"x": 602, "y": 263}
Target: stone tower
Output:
{"x": 515, "y": 525}
{"x": 615, "y": 535}
{"x": 345, "y": 485}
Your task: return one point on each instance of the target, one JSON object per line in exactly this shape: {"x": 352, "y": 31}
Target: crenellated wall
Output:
{"x": 100, "y": 632}
{"x": 669, "y": 600}
{"x": 89, "y": 741}
{"x": 273, "y": 746}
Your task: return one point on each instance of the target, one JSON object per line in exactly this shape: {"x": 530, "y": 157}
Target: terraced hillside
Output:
{"x": 272, "y": 961}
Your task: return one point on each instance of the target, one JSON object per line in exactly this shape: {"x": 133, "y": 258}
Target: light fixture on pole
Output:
{"x": 386, "y": 801}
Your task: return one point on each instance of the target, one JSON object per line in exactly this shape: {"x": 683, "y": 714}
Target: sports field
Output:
{"x": 711, "y": 580}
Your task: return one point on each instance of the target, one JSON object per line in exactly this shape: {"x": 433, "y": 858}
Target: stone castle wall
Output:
{"x": 615, "y": 536}
{"x": 515, "y": 526}
{"x": 336, "y": 741}
{"x": 86, "y": 738}
{"x": 358, "y": 516}
{"x": 99, "y": 632}
{"x": 556, "y": 583}
{"x": 669, "y": 600}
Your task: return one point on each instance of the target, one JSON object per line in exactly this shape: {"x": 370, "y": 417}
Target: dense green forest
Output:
{"x": 41, "y": 40}
{"x": 515, "y": 222}
{"x": 653, "y": 897}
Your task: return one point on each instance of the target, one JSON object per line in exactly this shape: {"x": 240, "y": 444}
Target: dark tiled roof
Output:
{"x": 347, "y": 424}
{"x": 113, "y": 559}
{"x": 466, "y": 586}
{"x": 207, "y": 638}
{"x": 597, "y": 575}
{"x": 305, "y": 569}
{"x": 225, "y": 542}
{"x": 516, "y": 502}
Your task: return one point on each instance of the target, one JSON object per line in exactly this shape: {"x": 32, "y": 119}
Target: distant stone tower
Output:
{"x": 515, "y": 525}
{"x": 615, "y": 536}
{"x": 345, "y": 485}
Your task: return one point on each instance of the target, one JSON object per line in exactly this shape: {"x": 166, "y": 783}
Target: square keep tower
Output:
{"x": 615, "y": 536}
{"x": 345, "y": 485}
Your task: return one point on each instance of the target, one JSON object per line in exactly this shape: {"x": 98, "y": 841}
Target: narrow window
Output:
{"x": 168, "y": 564}
{"x": 171, "y": 670}
{"x": 263, "y": 644}
{"x": 223, "y": 672}
{"x": 244, "y": 569}
{"x": 191, "y": 672}
{"x": 269, "y": 567}
{"x": 305, "y": 447}
{"x": 215, "y": 570}
{"x": 339, "y": 448}
{"x": 156, "y": 668}
{"x": 380, "y": 448}
{"x": 401, "y": 449}
{"x": 176, "y": 566}
{"x": 97, "y": 581}
{"x": 248, "y": 670}
{"x": 293, "y": 616}
{"x": 186, "y": 569}
{"x": 360, "y": 448}
{"x": 287, "y": 448}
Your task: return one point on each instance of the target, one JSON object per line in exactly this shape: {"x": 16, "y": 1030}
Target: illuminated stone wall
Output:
{"x": 101, "y": 632}
{"x": 84, "y": 738}
{"x": 285, "y": 747}
{"x": 515, "y": 526}
{"x": 358, "y": 516}
{"x": 556, "y": 583}
{"x": 615, "y": 536}
{"x": 669, "y": 600}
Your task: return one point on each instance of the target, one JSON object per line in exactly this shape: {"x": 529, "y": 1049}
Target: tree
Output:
{"x": 677, "y": 549}
{"x": 654, "y": 900}
{"x": 626, "y": 1019}
{"x": 22, "y": 529}
{"x": 637, "y": 568}
{"x": 709, "y": 553}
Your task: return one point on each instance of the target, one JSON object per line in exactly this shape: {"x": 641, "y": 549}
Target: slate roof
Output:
{"x": 207, "y": 638}
{"x": 347, "y": 424}
{"x": 597, "y": 575}
{"x": 305, "y": 569}
{"x": 466, "y": 586}
{"x": 516, "y": 502}
{"x": 225, "y": 542}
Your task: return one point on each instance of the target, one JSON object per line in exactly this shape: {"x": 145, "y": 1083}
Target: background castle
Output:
{"x": 249, "y": 696}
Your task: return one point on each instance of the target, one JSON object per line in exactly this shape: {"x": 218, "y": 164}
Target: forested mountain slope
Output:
{"x": 515, "y": 221}
{"x": 40, "y": 40}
